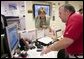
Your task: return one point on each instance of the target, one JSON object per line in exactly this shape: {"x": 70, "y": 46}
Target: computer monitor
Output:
{"x": 37, "y": 6}
{"x": 58, "y": 33}
{"x": 12, "y": 38}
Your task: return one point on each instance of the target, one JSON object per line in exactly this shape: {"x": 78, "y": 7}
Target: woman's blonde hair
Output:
{"x": 41, "y": 10}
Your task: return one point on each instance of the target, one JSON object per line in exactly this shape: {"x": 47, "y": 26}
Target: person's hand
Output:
{"x": 45, "y": 50}
{"x": 44, "y": 26}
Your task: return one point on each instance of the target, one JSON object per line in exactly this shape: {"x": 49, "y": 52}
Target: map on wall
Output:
{"x": 12, "y": 7}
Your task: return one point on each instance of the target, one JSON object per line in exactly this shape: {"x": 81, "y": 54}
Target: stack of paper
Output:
{"x": 45, "y": 40}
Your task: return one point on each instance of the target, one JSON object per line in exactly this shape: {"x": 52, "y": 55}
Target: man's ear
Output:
{"x": 68, "y": 11}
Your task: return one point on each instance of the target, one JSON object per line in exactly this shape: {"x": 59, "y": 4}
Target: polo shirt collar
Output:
{"x": 68, "y": 18}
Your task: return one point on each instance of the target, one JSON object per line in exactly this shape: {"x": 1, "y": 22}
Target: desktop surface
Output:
{"x": 35, "y": 54}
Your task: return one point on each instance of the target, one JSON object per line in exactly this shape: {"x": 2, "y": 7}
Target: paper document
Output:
{"x": 45, "y": 40}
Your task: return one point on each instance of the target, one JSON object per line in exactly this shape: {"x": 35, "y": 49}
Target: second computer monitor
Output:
{"x": 12, "y": 38}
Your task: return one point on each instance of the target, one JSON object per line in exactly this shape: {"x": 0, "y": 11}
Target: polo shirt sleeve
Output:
{"x": 74, "y": 28}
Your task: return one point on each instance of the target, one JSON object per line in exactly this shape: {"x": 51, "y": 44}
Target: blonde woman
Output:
{"x": 42, "y": 20}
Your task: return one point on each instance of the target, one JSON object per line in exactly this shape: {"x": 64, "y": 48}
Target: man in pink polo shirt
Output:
{"x": 72, "y": 40}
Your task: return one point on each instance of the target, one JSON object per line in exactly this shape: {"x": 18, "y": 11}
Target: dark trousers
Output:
{"x": 62, "y": 54}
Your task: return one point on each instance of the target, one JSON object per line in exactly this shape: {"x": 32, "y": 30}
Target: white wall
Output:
{"x": 7, "y": 11}
{"x": 20, "y": 11}
{"x": 77, "y": 4}
{"x": 57, "y": 23}
{"x": 28, "y": 22}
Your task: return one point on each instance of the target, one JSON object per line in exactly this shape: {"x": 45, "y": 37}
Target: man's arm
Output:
{"x": 61, "y": 44}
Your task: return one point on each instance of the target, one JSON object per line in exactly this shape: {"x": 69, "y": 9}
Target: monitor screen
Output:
{"x": 12, "y": 37}
{"x": 36, "y": 7}
{"x": 58, "y": 33}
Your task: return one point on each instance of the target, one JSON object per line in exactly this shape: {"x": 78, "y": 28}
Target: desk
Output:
{"x": 34, "y": 54}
